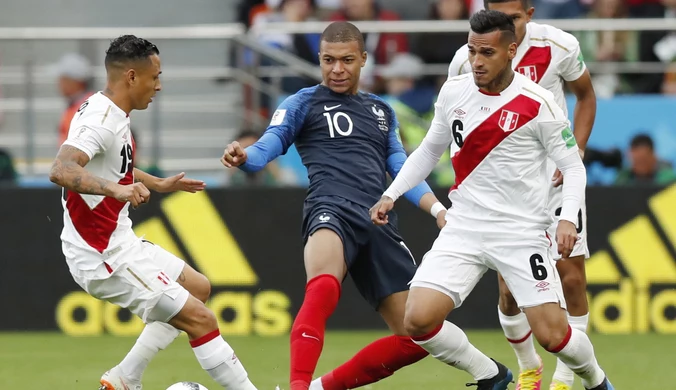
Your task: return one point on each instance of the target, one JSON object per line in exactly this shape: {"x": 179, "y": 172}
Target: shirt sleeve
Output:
{"x": 91, "y": 140}
{"x": 285, "y": 125}
{"x": 553, "y": 131}
{"x": 396, "y": 157}
{"x": 423, "y": 160}
{"x": 572, "y": 66}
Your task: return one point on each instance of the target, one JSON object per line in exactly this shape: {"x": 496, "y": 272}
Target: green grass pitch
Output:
{"x": 32, "y": 361}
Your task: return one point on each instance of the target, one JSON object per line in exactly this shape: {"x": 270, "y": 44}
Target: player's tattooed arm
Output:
{"x": 68, "y": 171}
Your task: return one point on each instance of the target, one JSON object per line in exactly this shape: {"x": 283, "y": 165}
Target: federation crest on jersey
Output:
{"x": 508, "y": 120}
{"x": 382, "y": 122}
{"x": 529, "y": 71}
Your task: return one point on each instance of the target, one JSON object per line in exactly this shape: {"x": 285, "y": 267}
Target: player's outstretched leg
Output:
{"x": 517, "y": 331}
{"x": 379, "y": 359}
{"x": 550, "y": 328}
{"x": 214, "y": 354}
{"x": 574, "y": 281}
{"x": 426, "y": 311}
{"x": 155, "y": 336}
{"x": 325, "y": 268}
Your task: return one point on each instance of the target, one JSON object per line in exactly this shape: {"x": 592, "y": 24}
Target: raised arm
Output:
{"x": 423, "y": 160}
{"x": 285, "y": 125}
{"x": 421, "y": 195}
{"x": 68, "y": 172}
{"x": 68, "y": 168}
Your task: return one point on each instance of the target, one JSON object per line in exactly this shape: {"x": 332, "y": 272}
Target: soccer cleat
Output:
{"x": 606, "y": 385}
{"x": 531, "y": 379}
{"x": 113, "y": 380}
{"x": 556, "y": 385}
{"x": 498, "y": 382}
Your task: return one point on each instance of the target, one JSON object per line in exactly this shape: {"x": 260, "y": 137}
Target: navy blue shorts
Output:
{"x": 377, "y": 258}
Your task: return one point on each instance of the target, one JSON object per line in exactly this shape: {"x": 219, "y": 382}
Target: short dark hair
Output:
{"x": 642, "y": 140}
{"x": 486, "y": 21}
{"x": 343, "y": 32}
{"x": 129, "y": 48}
{"x": 524, "y": 3}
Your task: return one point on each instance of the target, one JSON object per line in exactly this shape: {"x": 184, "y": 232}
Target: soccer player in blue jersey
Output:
{"x": 348, "y": 141}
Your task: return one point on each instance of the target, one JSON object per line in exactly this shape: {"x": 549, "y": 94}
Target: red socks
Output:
{"x": 376, "y": 361}
{"x": 307, "y": 334}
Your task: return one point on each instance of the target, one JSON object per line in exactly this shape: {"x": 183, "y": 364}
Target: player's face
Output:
{"x": 519, "y": 15}
{"x": 490, "y": 57}
{"x": 341, "y": 64}
{"x": 146, "y": 82}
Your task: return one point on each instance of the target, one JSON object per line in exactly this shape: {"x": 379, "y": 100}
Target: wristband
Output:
{"x": 436, "y": 209}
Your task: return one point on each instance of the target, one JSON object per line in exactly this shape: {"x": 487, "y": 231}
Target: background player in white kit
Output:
{"x": 103, "y": 254}
{"x": 550, "y": 57}
{"x": 501, "y": 127}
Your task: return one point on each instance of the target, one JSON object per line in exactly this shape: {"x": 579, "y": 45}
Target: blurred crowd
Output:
{"x": 400, "y": 60}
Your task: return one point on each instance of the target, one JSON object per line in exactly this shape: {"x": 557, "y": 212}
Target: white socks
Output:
{"x": 563, "y": 374}
{"x": 520, "y": 337}
{"x": 155, "y": 337}
{"x": 218, "y": 359}
{"x": 578, "y": 355}
{"x": 451, "y": 346}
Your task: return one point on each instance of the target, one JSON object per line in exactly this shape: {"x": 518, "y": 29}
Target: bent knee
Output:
{"x": 574, "y": 281}
{"x": 202, "y": 288}
{"x": 417, "y": 324}
{"x": 551, "y": 338}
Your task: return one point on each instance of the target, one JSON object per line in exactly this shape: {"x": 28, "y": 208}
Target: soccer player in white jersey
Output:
{"x": 95, "y": 166}
{"x": 501, "y": 127}
{"x": 551, "y": 58}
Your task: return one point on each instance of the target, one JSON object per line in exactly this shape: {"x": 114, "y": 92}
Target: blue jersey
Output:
{"x": 348, "y": 143}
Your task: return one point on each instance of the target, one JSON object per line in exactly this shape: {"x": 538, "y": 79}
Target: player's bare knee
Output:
{"x": 202, "y": 288}
{"x": 551, "y": 338}
{"x": 204, "y": 318}
{"x": 417, "y": 323}
{"x": 574, "y": 283}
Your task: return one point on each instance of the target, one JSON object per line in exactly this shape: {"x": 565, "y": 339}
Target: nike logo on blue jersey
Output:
{"x": 327, "y": 108}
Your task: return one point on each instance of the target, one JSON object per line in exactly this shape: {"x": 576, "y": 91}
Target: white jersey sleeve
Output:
{"x": 423, "y": 160}
{"x": 90, "y": 139}
{"x": 553, "y": 131}
{"x": 571, "y": 67}
{"x": 460, "y": 63}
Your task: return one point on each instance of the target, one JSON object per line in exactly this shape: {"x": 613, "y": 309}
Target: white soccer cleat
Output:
{"x": 113, "y": 380}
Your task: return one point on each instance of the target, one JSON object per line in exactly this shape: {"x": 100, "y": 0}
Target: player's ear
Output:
{"x": 529, "y": 13}
{"x": 364, "y": 57}
{"x": 131, "y": 76}
{"x": 512, "y": 50}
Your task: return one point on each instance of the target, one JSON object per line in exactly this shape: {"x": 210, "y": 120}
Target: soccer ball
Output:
{"x": 187, "y": 386}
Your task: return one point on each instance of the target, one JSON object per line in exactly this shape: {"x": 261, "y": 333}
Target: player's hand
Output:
{"x": 234, "y": 155}
{"x": 180, "y": 183}
{"x": 379, "y": 210}
{"x": 566, "y": 237}
{"x": 135, "y": 194}
{"x": 557, "y": 179}
{"x": 441, "y": 219}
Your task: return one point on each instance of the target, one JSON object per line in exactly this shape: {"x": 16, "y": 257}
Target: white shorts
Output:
{"x": 554, "y": 205}
{"x": 459, "y": 258}
{"x": 141, "y": 277}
